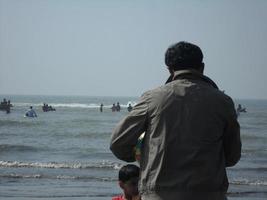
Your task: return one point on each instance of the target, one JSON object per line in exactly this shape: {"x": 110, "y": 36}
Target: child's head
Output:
{"x": 128, "y": 180}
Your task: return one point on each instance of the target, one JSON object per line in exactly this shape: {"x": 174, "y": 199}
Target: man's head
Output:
{"x": 128, "y": 180}
{"x": 184, "y": 55}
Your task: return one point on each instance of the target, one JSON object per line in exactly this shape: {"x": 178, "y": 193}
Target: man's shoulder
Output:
{"x": 156, "y": 91}
{"x": 223, "y": 96}
{"x": 159, "y": 94}
{"x": 228, "y": 101}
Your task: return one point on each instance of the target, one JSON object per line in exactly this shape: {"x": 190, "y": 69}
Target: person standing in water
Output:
{"x": 118, "y": 107}
{"x": 31, "y": 113}
{"x": 129, "y": 108}
{"x": 191, "y": 133}
{"x": 101, "y": 107}
{"x": 113, "y": 108}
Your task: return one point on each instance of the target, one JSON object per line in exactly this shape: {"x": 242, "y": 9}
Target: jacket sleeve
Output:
{"x": 128, "y": 130}
{"x": 231, "y": 141}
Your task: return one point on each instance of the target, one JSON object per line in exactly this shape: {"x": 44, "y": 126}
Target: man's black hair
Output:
{"x": 183, "y": 55}
{"x": 127, "y": 172}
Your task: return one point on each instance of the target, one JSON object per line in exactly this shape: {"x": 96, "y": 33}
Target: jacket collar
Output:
{"x": 192, "y": 74}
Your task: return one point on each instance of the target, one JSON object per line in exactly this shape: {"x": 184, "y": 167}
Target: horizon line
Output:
{"x": 87, "y": 95}
{"x": 77, "y": 95}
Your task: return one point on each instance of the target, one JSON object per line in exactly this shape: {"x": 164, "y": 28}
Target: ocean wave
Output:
{"x": 55, "y": 165}
{"x": 244, "y": 181}
{"x": 254, "y": 194}
{"x": 71, "y": 105}
{"x": 46, "y": 176}
{"x": 21, "y": 104}
{"x": 258, "y": 169}
{"x": 64, "y": 196}
{"x": 21, "y": 175}
{"x": 20, "y": 122}
{"x": 240, "y": 181}
{"x": 20, "y": 148}
{"x": 74, "y": 105}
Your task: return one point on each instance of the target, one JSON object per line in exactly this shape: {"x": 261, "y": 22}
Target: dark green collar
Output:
{"x": 193, "y": 74}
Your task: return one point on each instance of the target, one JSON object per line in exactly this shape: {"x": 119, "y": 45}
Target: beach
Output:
{"x": 64, "y": 154}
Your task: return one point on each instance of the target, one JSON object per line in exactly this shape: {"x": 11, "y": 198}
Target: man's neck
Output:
{"x": 125, "y": 197}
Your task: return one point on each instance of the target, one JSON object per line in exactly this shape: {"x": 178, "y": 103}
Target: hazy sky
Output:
{"x": 116, "y": 47}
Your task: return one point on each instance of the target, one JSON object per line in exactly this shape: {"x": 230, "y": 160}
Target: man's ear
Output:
{"x": 171, "y": 70}
{"x": 121, "y": 184}
{"x": 201, "y": 67}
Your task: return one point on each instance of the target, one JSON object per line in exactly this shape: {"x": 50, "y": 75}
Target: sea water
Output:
{"x": 64, "y": 154}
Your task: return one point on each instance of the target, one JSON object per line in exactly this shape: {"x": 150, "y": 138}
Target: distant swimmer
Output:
{"x": 101, "y": 107}
{"x": 113, "y": 108}
{"x": 241, "y": 109}
{"x": 118, "y": 107}
{"x": 30, "y": 113}
{"x": 4, "y": 102}
{"x": 129, "y": 108}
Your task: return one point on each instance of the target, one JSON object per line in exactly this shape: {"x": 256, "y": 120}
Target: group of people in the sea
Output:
{"x": 5, "y": 105}
{"x": 31, "y": 112}
{"x": 116, "y": 107}
{"x": 47, "y": 108}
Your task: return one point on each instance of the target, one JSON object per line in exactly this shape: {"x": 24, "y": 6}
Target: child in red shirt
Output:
{"x": 128, "y": 182}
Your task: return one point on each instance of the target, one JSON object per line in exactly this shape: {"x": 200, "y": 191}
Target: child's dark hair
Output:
{"x": 127, "y": 172}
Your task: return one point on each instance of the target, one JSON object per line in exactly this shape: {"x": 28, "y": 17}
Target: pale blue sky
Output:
{"x": 116, "y": 47}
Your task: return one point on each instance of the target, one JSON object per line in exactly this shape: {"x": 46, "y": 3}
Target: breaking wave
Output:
{"x": 20, "y": 148}
{"x": 71, "y": 105}
{"x": 104, "y": 164}
{"x": 244, "y": 181}
{"x": 44, "y": 176}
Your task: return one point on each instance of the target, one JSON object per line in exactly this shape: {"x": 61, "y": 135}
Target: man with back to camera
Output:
{"x": 191, "y": 133}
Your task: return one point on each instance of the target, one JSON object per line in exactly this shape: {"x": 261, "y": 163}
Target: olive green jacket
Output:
{"x": 192, "y": 135}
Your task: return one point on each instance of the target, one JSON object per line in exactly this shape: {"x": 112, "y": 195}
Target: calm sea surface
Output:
{"x": 65, "y": 154}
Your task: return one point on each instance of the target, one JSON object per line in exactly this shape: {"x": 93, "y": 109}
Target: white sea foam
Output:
{"x": 74, "y": 105}
{"x": 244, "y": 181}
{"x": 102, "y": 164}
{"x": 54, "y": 176}
{"x": 23, "y": 104}
{"x": 12, "y": 175}
{"x": 71, "y": 105}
